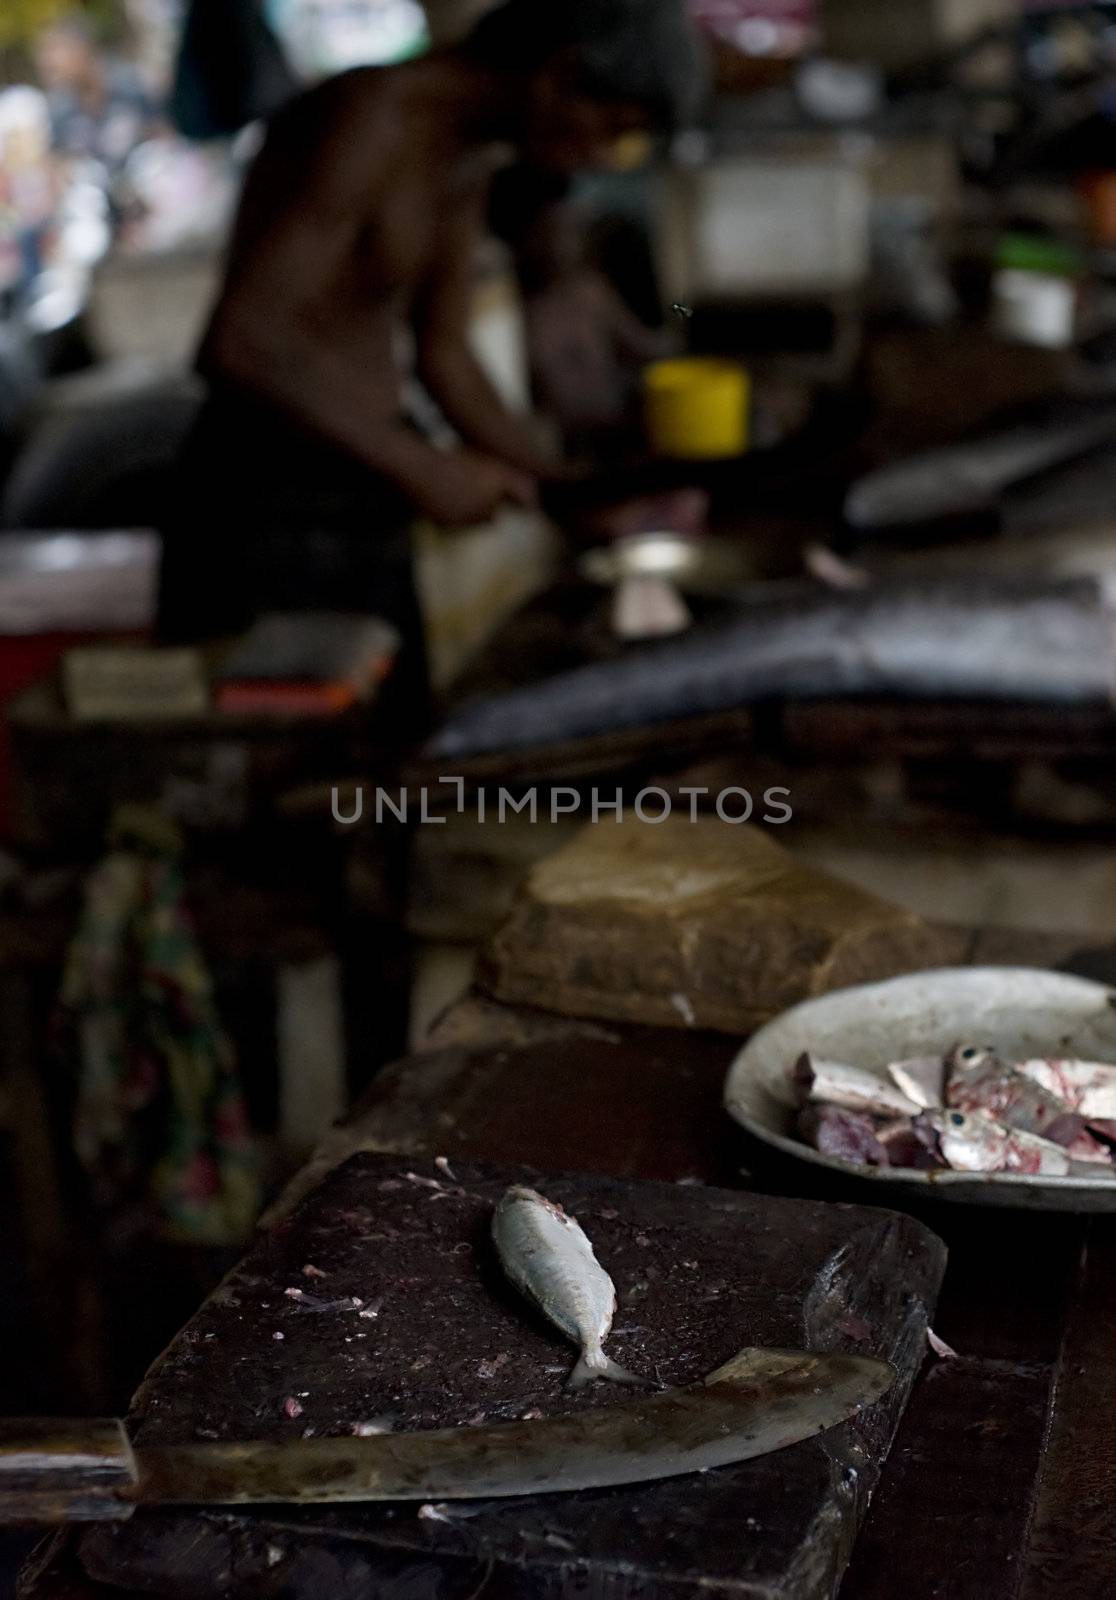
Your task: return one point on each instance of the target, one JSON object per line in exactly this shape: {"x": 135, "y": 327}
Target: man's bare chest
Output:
{"x": 420, "y": 227}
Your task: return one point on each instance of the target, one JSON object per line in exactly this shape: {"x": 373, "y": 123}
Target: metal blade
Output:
{"x": 760, "y": 1401}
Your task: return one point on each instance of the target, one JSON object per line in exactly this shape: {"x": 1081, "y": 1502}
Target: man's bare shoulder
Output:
{"x": 341, "y": 139}
{"x": 364, "y": 103}
{"x": 352, "y": 105}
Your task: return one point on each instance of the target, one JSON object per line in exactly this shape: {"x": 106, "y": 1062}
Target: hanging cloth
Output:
{"x": 160, "y": 1123}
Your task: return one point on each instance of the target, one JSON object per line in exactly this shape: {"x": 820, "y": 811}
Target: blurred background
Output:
{"x": 890, "y": 238}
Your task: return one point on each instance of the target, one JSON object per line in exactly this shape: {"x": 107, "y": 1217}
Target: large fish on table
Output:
{"x": 970, "y": 475}
{"x": 969, "y": 637}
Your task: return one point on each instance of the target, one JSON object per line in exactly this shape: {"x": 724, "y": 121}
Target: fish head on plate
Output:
{"x": 969, "y": 1057}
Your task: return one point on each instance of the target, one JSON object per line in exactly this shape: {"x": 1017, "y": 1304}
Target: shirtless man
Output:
{"x": 360, "y": 217}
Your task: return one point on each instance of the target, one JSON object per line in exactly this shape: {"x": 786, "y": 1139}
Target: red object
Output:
{"x": 285, "y": 699}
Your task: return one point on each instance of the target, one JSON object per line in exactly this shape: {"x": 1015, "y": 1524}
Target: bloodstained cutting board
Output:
{"x": 405, "y": 1312}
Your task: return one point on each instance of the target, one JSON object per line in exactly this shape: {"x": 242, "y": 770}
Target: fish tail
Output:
{"x": 595, "y": 1364}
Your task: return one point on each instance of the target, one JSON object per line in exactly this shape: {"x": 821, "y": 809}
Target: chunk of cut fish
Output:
{"x": 921, "y": 1079}
{"x": 1087, "y": 1087}
{"x": 856, "y": 1088}
{"x": 848, "y": 1135}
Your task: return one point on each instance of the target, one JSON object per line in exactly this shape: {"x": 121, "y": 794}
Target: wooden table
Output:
{"x": 1001, "y": 1481}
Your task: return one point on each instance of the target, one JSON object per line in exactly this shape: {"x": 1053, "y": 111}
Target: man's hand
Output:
{"x": 465, "y": 489}
{"x": 679, "y": 510}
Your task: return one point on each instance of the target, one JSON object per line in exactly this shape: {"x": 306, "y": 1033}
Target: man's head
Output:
{"x": 66, "y": 54}
{"x": 596, "y": 71}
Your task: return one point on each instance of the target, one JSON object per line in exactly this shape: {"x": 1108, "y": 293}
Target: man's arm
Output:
{"x": 633, "y": 339}
{"x": 447, "y": 364}
{"x": 295, "y": 374}
{"x": 295, "y": 244}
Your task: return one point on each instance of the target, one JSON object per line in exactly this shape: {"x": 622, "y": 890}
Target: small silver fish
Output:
{"x": 978, "y": 1080}
{"x": 548, "y": 1257}
{"x": 973, "y": 1143}
{"x": 680, "y": 310}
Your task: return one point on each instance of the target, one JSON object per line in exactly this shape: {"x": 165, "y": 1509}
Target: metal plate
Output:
{"x": 1025, "y": 1012}
{"x": 696, "y": 565}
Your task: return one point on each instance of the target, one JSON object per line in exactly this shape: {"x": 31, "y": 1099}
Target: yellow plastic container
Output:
{"x": 696, "y": 408}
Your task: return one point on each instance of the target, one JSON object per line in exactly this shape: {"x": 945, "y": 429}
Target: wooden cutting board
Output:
{"x": 401, "y": 1309}
{"x": 694, "y": 923}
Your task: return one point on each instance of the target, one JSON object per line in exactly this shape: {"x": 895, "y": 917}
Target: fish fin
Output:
{"x": 589, "y": 1370}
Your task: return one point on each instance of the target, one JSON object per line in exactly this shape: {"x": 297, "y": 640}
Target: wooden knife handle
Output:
{"x": 65, "y": 1471}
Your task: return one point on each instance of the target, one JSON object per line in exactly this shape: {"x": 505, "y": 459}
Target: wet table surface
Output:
{"x": 1001, "y": 1480}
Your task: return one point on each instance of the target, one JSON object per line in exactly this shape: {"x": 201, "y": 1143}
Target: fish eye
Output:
{"x": 970, "y": 1053}
{"x": 957, "y": 1118}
